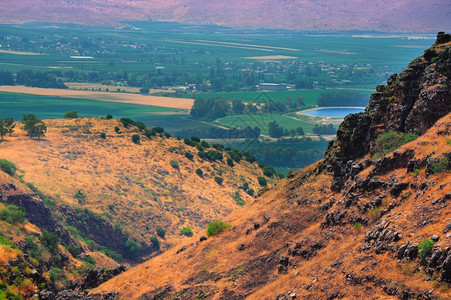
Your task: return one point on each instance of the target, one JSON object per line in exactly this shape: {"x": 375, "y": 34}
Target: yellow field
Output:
{"x": 170, "y": 102}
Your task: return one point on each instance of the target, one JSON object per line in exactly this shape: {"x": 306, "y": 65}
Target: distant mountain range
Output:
{"x": 399, "y": 16}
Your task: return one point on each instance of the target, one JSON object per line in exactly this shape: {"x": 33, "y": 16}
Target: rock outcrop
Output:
{"x": 411, "y": 101}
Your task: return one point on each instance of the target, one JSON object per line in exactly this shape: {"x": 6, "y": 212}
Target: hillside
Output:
{"x": 370, "y": 221}
{"x": 102, "y": 195}
{"x": 404, "y": 16}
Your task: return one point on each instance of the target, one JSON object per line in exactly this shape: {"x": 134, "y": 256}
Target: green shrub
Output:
{"x": 440, "y": 166}
{"x": 245, "y": 186}
{"x": 199, "y": 172}
{"x": 189, "y": 155}
{"x": 374, "y": 213}
{"x": 357, "y": 226}
{"x": 425, "y": 250}
{"x": 250, "y": 192}
{"x": 238, "y": 199}
{"x": 262, "y": 181}
{"x": 8, "y": 167}
{"x": 205, "y": 144}
{"x": 103, "y": 135}
{"x": 195, "y": 139}
{"x": 216, "y": 227}
{"x": 186, "y": 231}
{"x": 132, "y": 249}
{"x": 13, "y": 214}
{"x": 75, "y": 251}
{"x": 117, "y": 129}
{"x": 50, "y": 241}
{"x": 49, "y": 203}
{"x": 268, "y": 171}
{"x": 392, "y": 140}
{"x": 174, "y": 164}
{"x": 219, "y": 180}
{"x": 80, "y": 196}
{"x": 416, "y": 172}
{"x": 167, "y": 135}
{"x": 109, "y": 116}
{"x": 155, "y": 242}
{"x": 126, "y": 122}
{"x": 73, "y": 114}
{"x": 140, "y": 125}
{"x": 236, "y": 155}
{"x": 230, "y": 162}
{"x": 136, "y": 138}
{"x": 189, "y": 142}
{"x": 158, "y": 129}
{"x": 55, "y": 274}
{"x": 110, "y": 253}
{"x": 161, "y": 232}
{"x": 35, "y": 190}
{"x": 90, "y": 260}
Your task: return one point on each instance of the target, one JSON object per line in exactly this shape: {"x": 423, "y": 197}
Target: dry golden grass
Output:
{"x": 130, "y": 184}
{"x": 7, "y": 253}
{"x": 223, "y": 271}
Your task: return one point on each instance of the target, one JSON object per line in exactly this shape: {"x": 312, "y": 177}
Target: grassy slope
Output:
{"x": 133, "y": 185}
{"x": 218, "y": 269}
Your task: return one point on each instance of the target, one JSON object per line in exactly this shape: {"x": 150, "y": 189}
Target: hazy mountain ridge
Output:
{"x": 402, "y": 16}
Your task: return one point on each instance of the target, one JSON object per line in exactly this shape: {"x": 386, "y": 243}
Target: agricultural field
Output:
{"x": 112, "y": 71}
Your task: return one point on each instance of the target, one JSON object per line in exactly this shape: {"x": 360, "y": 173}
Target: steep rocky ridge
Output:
{"x": 412, "y": 101}
{"x": 383, "y": 233}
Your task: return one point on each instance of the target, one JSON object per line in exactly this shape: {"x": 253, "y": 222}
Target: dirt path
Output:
{"x": 170, "y": 102}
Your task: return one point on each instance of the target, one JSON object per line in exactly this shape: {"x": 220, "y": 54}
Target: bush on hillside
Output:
{"x": 132, "y": 249}
{"x": 216, "y": 227}
{"x": 199, "y": 172}
{"x": 186, "y": 231}
{"x": 8, "y": 167}
{"x": 219, "y": 180}
{"x": 425, "y": 250}
{"x": 136, "y": 138}
{"x": 262, "y": 181}
{"x": 161, "y": 232}
{"x": 392, "y": 140}
{"x": 73, "y": 114}
{"x": 13, "y": 214}
{"x": 155, "y": 242}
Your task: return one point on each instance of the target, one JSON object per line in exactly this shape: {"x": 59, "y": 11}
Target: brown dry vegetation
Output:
{"x": 132, "y": 185}
{"x": 243, "y": 262}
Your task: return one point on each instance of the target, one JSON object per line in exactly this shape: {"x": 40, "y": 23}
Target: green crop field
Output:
{"x": 310, "y": 96}
{"x": 46, "y": 107}
{"x": 262, "y": 121}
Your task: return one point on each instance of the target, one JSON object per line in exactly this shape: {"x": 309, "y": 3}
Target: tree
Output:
{"x": 136, "y": 138}
{"x": 300, "y": 131}
{"x": 33, "y": 126}
{"x": 132, "y": 248}
{"x": 6, "y": 126}
{"x": 73, "y": 114}
{"x": 161, "y": 232}
{"x": 50, "y": 240}
{"x": 275, "y": 130}
{"x": 155, "y": 242}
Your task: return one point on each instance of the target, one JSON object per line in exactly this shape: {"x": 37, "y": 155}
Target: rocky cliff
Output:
{"x": 412, "y": 101}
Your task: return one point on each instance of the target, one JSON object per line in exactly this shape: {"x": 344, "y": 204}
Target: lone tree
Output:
{"x": 6, "y": 126}
{"x": 33, "y": 126}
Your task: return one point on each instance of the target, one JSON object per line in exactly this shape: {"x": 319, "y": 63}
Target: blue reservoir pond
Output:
{"x": 333, "y": 111}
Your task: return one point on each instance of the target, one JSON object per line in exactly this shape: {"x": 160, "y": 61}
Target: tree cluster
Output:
{"x": 342, "y": 98}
